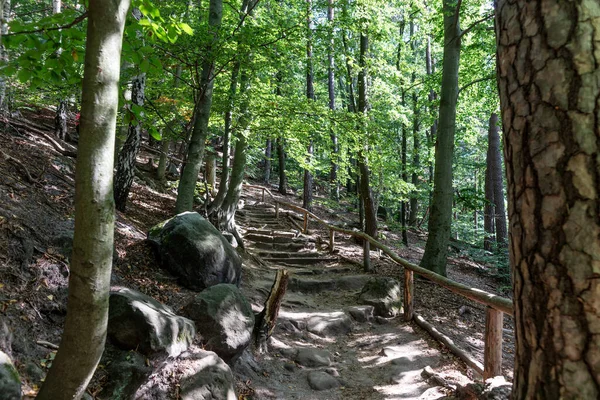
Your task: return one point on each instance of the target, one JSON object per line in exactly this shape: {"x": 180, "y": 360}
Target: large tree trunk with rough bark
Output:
{"x": 127, "y": 155}
{"x": 189, "y": 175}
{"x": 549, "y": 91}
{"x": 84, "y": 333}
{"x": 440, "y": 216}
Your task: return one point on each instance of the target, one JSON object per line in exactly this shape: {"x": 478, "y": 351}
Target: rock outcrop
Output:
{"x": 195, "y": 251}
{"x": 137, "y": 321}
{"x": 224, "y": 320}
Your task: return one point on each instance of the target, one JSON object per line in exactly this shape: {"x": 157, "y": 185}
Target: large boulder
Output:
{"x": 212, "y": 379}
{"x": 195, "y": 251}
{"x": 137, "y": 321}
{"x": 224, "y": 319}
{"x": 10, "y": 383}
{"x": 384, "y": 294}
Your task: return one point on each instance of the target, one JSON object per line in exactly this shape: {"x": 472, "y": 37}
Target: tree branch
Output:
{"x": 474, "y": 24}
{"x": 487, "y": 78}
{"x": 56, "y": 28}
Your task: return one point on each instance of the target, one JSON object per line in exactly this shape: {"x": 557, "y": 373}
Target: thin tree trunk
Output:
{"x": 226, "y": 213}
{"x": 310, "y": 94}
{"x": 225, "y": 170}
{"x": 440, "y": 218}
{"x": 362, "y": 161}
{"x": 127, "y": 156}
{"x": 414, "y": 201}
{"x": 497, "y": 172}
{"x": 60, "y": 120}
{"x": 488, "y": 213}
{"x": 5, "y": 14}
{"x": 84, "y": 333}
{"x": 405, "y": 179}
{"x": 335, "y": 186}
{"x": 163, "y": 159}
{"x": 189, "y": 175}
{"x": 547, "y": 80}
{"x": 267, "y": 169}
{"x": 431, "y": 137}
{"x": 281, "y": 161}
{"x": 210, "y": 170}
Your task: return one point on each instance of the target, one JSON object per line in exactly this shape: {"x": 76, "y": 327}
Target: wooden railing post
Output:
{"x": 331, "y": 240}
{"x": 276, "y": 210}
{"x": 492, "y": 356}
{"x": 263, "y": 195}
{"x": 305, "y": 227}
{"x": 367, "y": 255}
{"x": 409, "y": 289}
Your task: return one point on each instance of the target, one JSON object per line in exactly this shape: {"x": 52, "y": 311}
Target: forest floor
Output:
{"x": 36, "y": 224}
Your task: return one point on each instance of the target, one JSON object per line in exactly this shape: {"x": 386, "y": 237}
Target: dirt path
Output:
{"x": 321, "y": 350}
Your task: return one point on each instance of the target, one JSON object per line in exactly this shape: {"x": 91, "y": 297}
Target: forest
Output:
{"x": 456, "y": 140}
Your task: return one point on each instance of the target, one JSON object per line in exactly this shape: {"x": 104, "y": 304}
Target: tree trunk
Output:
{"x": 210, "y": 170}
{"x": 163, "y": 159}
{"x": 189, "y": 175}
{"x": 267, "y": 169}
{"x": 403, "y": 207}
{"x": 5, "y": 14}
{"x": 225, "y": 170}
{"x": 414, "y": 201}
{"x": 549, "y": 93}
{"x": 335, "y": 186}
{"x": 127, "y": 156}
{"x": 226, "y": 213}
{"x": 440, "y": 218}
{"x": 60, "y": 120}
{"x": 84, "y": 333}
{"x": 497, "y": 172}
{"x": 281, "y": 161}
{"x": 488, "y": 213}
{"x": 362, "y": 161}
{"x": 310, "y": 94}
{"x": 431, "y": 137}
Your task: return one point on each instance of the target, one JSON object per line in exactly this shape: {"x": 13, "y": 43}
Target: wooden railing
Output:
{"x": 496, "y": 306}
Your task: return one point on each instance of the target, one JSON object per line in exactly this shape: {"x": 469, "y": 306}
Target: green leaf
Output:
{"x": 186, "y": 28}
{"x": 154, "y": 133}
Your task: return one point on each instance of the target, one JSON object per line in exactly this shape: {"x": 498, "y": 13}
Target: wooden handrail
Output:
{"x": 496, "y": 305}
{"x": 491, "y": 300}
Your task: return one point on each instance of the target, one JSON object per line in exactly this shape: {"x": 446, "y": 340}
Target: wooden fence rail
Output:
{"x": 496, "y": 306}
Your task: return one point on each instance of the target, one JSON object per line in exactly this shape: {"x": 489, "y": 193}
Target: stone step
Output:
{"x": 279, "y": 246}
{"x": 343, "y": 283}
{"x": 284, "y": 254}
{"x": 302, "y": 260}
{"x": 273, "y": 239}
{"x": 272, "y": 232}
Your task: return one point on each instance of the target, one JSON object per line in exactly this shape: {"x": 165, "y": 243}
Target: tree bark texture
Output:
{"x": 189, "y": 175}
{"x": 488, "y": 211}
{"x": 335, "y": 186}
{"x": 403, "y": 206}
{"x": 310, "y": 94}
{"x": 5, "y": 14}
{"x": 497, "y": 182}
{"x": 128, "y": 154}
{"x": 281, "y": 162}
{"x": 225, "y": 170}
{"x": 440, "y": 218}
{"x": 548, "y": 77}
{"x": 84, "y": 333}
{"x": 267, "y": 169}
{"x": 366, "y": 194}
{"x": 414, "y": 201}
{"x": 60, "y": 120}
